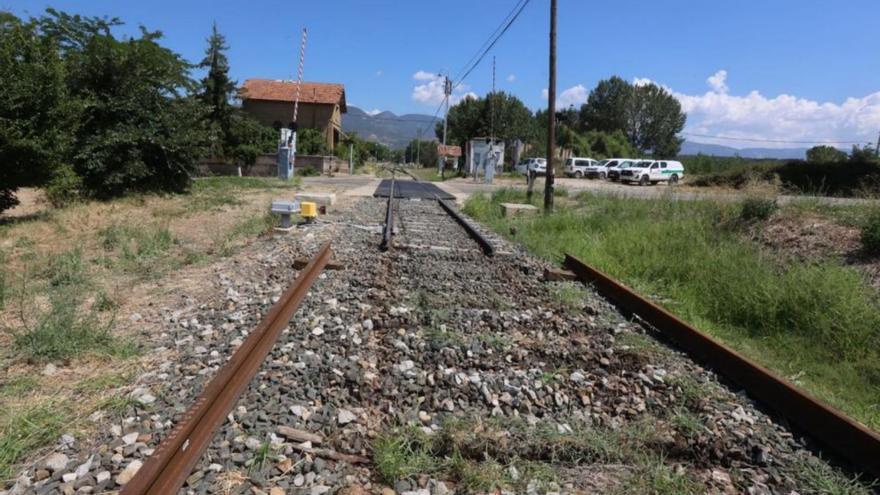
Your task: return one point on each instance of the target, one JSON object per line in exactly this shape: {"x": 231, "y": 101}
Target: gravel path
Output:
{"x": 488, "y": 373}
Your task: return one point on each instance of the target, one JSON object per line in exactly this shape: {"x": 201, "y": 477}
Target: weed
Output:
{"x": 137, "y": 249}
{"x": 225, "y": 243}
{"x": 24, "y": 431}
{"x": 117, "y": 404}
{"x": 67, "y": 269}
{"x": 261, "y": 456}
{"x": 103, "y": 382}
{"x": 570, "y": 294}
{"x": 403, "y": 454}
{"x": 653, "y": 476}
{"x": 814, "y": 476}
{"x": 4, "y": 289}
{"x": 871, "y": 233}
{"x": 65, "y": 330}
{"x": 18, "y": 386}
{"x": 757, "y": 208}
{"x": 105, "y": 302}
{"x": 687, "y": 423}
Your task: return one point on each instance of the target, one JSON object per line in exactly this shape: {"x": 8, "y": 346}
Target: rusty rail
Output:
{"x": 166, "y": 470}
{"x": 484, "y": 243}
{"x": 388, "y": 229}
{"x": 849, "y": 439}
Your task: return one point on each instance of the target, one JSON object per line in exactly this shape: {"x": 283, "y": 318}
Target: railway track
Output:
{"x": 440, "y": 334}
{"x": 415, "y": 216}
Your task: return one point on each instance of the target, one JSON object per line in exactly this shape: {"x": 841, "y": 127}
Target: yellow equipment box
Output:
{"x": 308, "y": 209}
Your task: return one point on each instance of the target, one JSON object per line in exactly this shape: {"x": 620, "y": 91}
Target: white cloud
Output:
{"x": 781, "y": 118}
{"x": 511, "y": 78}
{"x": 718, "y": 81}
{"x": 373, "y": 112}
{"x": 430, "y": 91}
{"x": 573, "y": 96}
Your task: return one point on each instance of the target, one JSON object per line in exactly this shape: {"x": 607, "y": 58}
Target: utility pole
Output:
{"x": 551, "y": 113}
{"x": 877, "y": 151}
{"x": 492, "y": 103}
{"x": 447, "y": 91}
{"x": 418, "y": 146}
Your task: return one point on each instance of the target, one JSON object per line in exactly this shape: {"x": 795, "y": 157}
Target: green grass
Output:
{"x": 205, "y": 184}
{"x": 18, "y": 386}
{"x": 138, "y": 249}
{"x": 65, "y": 330}
{"x": 226, "y": 242}
{"x": 4, "y": 280}
{"x": 24, "y": 431}
{"x": 820, "y": 321}
{"x": 67, "y": 269}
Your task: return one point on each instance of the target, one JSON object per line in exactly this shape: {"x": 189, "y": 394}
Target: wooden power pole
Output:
{"x": 551, "y": 113}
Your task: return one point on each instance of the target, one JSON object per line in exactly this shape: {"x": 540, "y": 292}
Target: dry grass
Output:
{"x": 89, "y": 267}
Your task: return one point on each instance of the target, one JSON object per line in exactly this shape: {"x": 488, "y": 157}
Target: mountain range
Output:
{"x": 396, "y": 131}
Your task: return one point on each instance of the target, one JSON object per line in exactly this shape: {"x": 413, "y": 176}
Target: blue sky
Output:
{"x": 779, "y": 69}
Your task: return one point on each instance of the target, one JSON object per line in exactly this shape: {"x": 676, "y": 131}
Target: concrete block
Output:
{"x": 321, "y": 199}
{"x": 515, "y": 209}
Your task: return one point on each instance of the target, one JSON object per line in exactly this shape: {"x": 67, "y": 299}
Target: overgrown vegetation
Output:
{"x": 757, "y": 208}
{"x": 819, "y": 321}
{"x": 508, "y": 454}
{"x": 86, "y": 112}
{"x": 26, "y": 430}
{"x": 871, "y": 233}
{"x": 859, "y": 175}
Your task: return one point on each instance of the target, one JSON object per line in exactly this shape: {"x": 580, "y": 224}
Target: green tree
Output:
{"x": 36, "y": 116}
{"x": 424, "y": 151}
{"x": 649, "y": 115}
{"x": 231, "y": 133}
{"x": 606, "y": 107}
{"x": 136, "y": 130}
{"x": 216, "y": 90}
{"x": 472, "y": 117}
{"x": 825, "y": 154}
{"x": 654, "y": 118}
{"x": 310, "y": 142}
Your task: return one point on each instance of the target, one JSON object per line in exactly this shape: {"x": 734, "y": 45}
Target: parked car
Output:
{"x": 599, "y": 169}
{"x": 652, "y": 172}
{"x": 614, "y": 166}
{"x": 577, "y": 167}
{"x": 537, "y": 165}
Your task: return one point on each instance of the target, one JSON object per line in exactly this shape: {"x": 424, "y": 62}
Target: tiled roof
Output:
{"x": 310, "y": 92}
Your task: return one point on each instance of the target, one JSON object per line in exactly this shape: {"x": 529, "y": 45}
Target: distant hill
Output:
{"x": 395, "y": 131}
{"x": 693, "y": 148}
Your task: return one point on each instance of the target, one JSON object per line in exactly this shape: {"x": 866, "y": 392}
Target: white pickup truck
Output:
{"x": 652, "y": 172}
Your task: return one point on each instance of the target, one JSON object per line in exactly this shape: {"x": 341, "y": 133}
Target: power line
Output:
{"x": 758, "y": 140}
{"x": 494, "y": 41}
{"x": 491, "y": 36}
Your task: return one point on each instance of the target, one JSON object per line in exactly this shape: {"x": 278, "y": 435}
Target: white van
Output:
{"x": 578, "y": 167}
{"x": 669, "y": 171}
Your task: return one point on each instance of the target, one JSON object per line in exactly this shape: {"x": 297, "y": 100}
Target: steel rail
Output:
{"x": 484, "y": 243}
{"x": 166, "y": 470}
{"x": 388, "y": 229}
{"x": 830, "y": 427}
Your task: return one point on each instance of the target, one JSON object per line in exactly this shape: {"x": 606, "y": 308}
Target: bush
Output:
{"x": 871, "y": 233}
{"x": 757, "y": 209}
{"x": 64, "y": 187}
